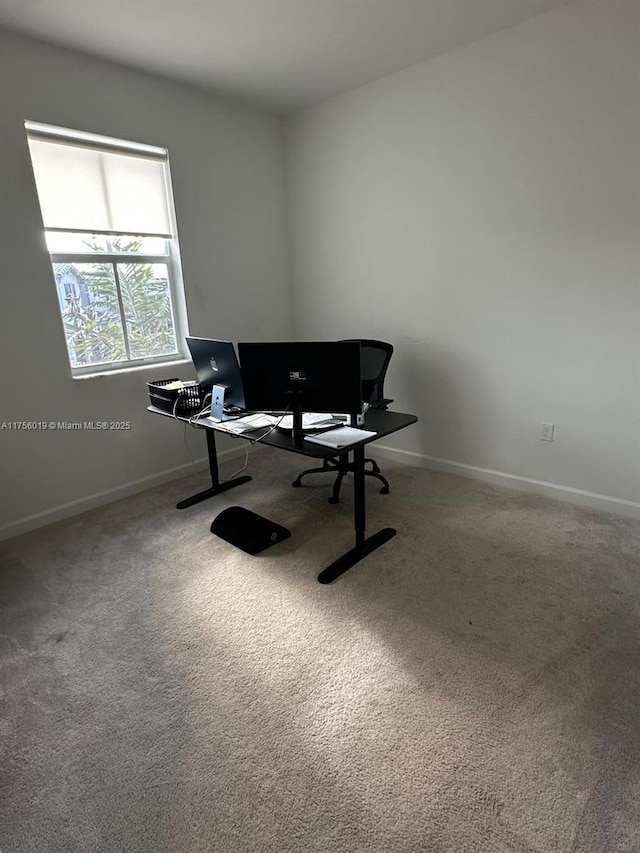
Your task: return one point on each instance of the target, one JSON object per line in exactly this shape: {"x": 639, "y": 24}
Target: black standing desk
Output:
{"x": 382, "y": 422}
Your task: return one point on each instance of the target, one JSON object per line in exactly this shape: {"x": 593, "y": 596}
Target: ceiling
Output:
{"x": 281, "y": 55}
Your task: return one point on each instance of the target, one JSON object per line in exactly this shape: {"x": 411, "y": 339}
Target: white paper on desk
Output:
{"x": 240, "y": 425}
{"x": 309, "y": 420}
{"x": 340, "y": 437}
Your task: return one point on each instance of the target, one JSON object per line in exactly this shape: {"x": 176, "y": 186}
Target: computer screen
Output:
{"x": 216, "y": 363}
{"x": 309, "y": 376}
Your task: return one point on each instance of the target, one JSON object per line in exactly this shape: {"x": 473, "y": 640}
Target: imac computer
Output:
{"x": 304, "y": 376}
{"x": 216, "y": 363}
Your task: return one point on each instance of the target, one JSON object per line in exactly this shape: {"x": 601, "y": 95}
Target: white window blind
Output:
{"x": 89, "y": 187}
{"x": 109, "y": 226}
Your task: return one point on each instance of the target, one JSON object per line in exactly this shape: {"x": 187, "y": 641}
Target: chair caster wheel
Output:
{"x": 384, "y": 490}
{"x": 334, "y": 500}
{"x": 296, "y": 484}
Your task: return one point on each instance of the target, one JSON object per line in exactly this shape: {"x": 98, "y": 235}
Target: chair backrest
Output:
{"x": 374, "y": 361}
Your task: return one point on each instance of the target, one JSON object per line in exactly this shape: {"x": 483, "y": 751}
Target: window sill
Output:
{"x": 120, "y": 370}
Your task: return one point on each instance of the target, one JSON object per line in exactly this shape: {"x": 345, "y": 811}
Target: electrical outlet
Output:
{"x": 546, "y": 432}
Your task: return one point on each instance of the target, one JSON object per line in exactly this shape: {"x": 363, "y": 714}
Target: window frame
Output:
{"x": 171, "y": 259}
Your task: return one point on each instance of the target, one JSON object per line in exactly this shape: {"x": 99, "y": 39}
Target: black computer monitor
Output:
{"x": 216, "y": 363}
{"x": 304, "y": 376}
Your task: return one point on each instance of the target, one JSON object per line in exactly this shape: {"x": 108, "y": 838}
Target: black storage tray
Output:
{"x": 185, "y": 401}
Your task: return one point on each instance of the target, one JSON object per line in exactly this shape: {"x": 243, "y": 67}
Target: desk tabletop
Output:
{"x": 377, "y": 420}
{"x": 381, "y": 421}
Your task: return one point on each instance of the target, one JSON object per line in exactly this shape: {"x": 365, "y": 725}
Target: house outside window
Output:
{"x": 107, "y": 209}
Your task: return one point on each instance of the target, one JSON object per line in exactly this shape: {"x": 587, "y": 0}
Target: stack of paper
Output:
{"x": 340, "y": 437}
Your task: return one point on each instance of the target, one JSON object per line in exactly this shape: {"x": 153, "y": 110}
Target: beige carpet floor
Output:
{"x": 472, "y": 687}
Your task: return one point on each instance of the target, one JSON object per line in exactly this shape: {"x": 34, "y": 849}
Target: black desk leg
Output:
{"x": 363, "y": 545}
{"x": 216, "y": 487}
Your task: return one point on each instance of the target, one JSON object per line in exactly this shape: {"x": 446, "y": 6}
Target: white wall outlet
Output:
{"x": 546, "y": 432}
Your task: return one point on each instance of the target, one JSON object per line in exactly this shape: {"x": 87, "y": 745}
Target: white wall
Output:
{"x": 226, "y": 164}
{"x": 482, "y": 212}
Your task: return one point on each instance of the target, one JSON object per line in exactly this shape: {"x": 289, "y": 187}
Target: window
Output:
{"x": 110, "y": 230}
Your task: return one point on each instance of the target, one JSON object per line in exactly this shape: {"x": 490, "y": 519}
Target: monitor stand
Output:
{"x": 296, "y": 410}
{"x": 217, "y": 404}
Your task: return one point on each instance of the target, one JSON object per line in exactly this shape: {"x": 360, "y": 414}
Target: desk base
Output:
{"x": 346, "y": 561}
{"x": 212, "y": 491}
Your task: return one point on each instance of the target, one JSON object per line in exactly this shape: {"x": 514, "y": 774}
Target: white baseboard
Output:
{"x": 605, "y": 503}
{"x": 66, "y": 510}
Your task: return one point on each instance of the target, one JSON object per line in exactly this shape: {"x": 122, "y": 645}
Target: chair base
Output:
{"x": 341, "y": 468}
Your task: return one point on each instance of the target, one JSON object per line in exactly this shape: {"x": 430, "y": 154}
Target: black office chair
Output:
{"x": 374, "y": 361}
